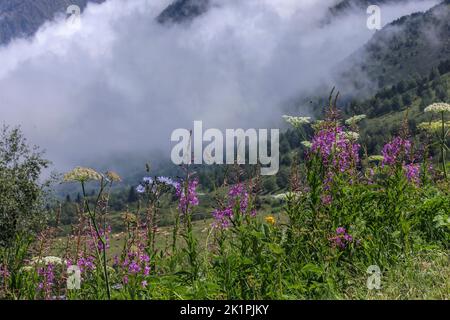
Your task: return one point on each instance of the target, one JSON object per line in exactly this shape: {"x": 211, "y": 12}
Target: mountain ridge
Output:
{"x": 409, "y": 46}
{"x": 20, "y": 18}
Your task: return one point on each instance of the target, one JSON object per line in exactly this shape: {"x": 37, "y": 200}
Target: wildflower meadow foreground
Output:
{"x": 351, "y": 226}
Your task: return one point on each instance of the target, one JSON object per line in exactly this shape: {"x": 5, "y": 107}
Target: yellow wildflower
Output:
{"x": 270, "y": 220}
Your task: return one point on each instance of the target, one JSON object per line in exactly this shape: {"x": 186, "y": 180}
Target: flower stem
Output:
{"x": 97, "y": 231}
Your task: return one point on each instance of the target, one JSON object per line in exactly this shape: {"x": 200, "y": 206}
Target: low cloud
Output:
{"x": 116, "y": 87}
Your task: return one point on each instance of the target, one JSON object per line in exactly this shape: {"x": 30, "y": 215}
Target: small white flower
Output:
{"x": 350, "y": 135}
{"x": 297, "y": 122}
{"x": 27, "y": 269}
{"x": 438, "y": 108}
{"x": 284, "y": 196}
{"x": 47, "y": 260}
{"x": 307, "y": 144}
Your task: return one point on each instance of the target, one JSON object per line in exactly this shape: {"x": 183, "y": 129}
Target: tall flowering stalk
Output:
{"x": 83, "y": 175}
{"x": 441, "y": 109}
{"x": 238, "y": 206}
{"x": 47, "y": 277}
{"x": 152, "y": 189}
{"x": 396, "y": 151}
{"x": 133, "y": 267}
{"x": 399, "y": 153}
{"x": 337, "y": 151}
{"x": 188, "y": 199}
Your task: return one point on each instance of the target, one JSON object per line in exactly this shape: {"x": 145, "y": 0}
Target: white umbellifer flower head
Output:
{"x": 438, "y": 108}
{"x": 350, "y": 135}
{"x": 307, "y": 144}
{"x": 47, "y": 260}
{"x": 433, "y": 126}
{"x": 284, "y": 196}
{"x": 113, "y": 176}
{"x": 297, "y": 122}
{"x": 355, "y": 119}
{"x": 82, "y": 175}
{"x": 27, "y": 269}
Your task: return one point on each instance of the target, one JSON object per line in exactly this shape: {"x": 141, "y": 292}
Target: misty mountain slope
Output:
{"x": 20, "y": 18}
{"x": 409, "y": 46}
{"x": 346, "y": 5}
{"x": 183, "y": 10}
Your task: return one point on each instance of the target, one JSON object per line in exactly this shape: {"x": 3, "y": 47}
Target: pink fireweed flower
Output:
{"x": 236, "y": 190}
{"x": 239, "y": 201}
{"x": 135, "y": 264}
{"x": 146, "y": 270}
{"x": 134, "y": 268}
{"x": 47, "y": 278}
{"x": 336, "y": 149}
{"x": 399, "y": 151}
{"x": 326, "y": 199}
{"x": 396, "y": 151}
{"x": 95, "y": 240}
{"x": 338, "y": 154}
{"x": 188, "y": 197}
{"x": 412, "y": 172}
{"x": 222, "y": 217}
{"x": 342, "y": 239}
{"x": 4, "y": 273}
{"x": 86, "y": 264}
{"x": 144, "y": 258}
{"x": 104, "y": 234}
{"x": 340, "y": 230}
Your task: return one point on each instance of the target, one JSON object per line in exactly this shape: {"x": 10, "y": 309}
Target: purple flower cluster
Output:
{"x": 223, "y": 217}
{"x": 238, "y": 199}
{"x": 4, "y": 273}
{"x": 187, "y": 194}
{"x": 337, "y": 151}
{"x": 394, "y": 151}
{"x": 103, "y": 234}
{"x": 399, "y": 151}
{"x": 412, "y": 172}
{"x": 86, "y": 264}
{"x": 342, "y": 239}
{"x": 326, "y": 199}
{"x": 135, "y": 264}
{"x": 47, "y": 278}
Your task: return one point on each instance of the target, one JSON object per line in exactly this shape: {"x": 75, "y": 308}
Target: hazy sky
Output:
{"x": 120, "y": 83}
